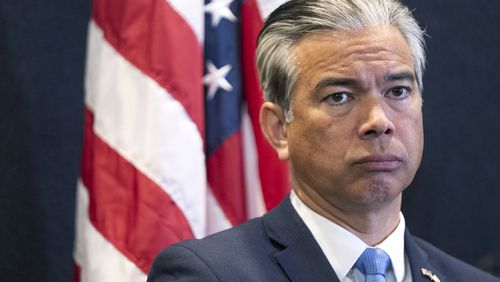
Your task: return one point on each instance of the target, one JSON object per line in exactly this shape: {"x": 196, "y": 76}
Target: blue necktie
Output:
{"x": 373, "y": 263}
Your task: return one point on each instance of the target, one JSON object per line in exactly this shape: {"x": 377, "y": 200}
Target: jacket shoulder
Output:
{"x": 243, "y": 252}
{"x": 178, "y": 263}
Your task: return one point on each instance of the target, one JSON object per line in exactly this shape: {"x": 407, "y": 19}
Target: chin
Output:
{"x": 379, "y": 192}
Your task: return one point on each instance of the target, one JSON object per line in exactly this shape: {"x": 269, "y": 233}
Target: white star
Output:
{"x": 220, "y": 9}
{"x": 216, "y": 78}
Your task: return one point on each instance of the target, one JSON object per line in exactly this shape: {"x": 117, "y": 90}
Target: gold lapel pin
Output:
{"x": 429, "y": 274}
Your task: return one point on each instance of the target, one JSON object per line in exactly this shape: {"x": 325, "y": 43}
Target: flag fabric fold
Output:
{"x": 172, "y": 148}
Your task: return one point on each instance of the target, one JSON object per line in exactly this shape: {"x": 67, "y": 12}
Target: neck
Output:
{"x": 372, "y": 223}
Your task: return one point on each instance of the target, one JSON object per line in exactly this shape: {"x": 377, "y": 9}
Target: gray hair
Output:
{"x": 298, "y": 18}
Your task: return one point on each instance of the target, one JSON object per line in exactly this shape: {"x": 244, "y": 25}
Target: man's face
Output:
{"x": 356, "y": 138}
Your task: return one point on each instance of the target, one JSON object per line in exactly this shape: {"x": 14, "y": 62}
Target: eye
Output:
{"x": 399, "y": 92}
{"x": 339, "y": 98}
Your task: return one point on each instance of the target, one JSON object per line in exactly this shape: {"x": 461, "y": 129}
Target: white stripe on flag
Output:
{"x": 267, "y": 6}
{"x": 216, "y": 219}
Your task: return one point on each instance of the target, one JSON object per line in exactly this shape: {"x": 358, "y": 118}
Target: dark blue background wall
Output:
{"x": 42, "y": 49}
{"x": 453, "y": 201}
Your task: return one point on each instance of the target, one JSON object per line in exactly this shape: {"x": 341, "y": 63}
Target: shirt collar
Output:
{"x": 342, "y": 248}
{"x": 394, "y": 246}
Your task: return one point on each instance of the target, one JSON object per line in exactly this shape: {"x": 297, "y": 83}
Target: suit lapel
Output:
{"x": 304, "y": 261}
{"x": 420, "y": 262}
{"x": 301, "y": 258}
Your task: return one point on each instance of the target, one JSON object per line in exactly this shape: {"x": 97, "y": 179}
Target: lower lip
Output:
{"x": 380, "y": 165}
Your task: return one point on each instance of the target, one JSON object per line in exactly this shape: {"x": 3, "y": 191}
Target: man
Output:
{"x": 343, "y": 82}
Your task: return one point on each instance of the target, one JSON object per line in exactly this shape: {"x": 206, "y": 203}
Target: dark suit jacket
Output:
{"x": 280, "y": 247}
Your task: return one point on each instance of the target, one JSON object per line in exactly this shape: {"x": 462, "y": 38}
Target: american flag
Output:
{"x": 172, "y": 145}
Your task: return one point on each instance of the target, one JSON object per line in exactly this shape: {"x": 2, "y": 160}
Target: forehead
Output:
{"x": 373, "y": 50}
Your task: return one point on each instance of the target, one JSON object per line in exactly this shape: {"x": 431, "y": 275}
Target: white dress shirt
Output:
{"x": 342, "y": 248}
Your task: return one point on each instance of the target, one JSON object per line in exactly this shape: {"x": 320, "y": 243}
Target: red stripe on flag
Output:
{"x": 153, "y": 37}
{"x": 274, "y": 173}
{"x": 76, "y": 272}
{"x": 226, "y": 178}
{"x": 132, "y": 212}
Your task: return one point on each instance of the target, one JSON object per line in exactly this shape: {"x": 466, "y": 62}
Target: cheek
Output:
{"x": 321, "y": 142}
{"x": 420, "y": 138}
{"x": 303, "y": 138}
{"x": 304, "y": 135}
{"x": 413, "y": 135}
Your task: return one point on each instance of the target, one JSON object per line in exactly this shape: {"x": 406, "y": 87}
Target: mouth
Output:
{"x": 384, "y": 162}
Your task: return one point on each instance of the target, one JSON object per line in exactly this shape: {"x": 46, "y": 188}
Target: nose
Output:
{"x": 376, "y": 121}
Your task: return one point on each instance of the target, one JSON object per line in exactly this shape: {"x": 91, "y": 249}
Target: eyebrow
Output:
{"x": 332, "y": 81}
{"x": 400, "y": 76}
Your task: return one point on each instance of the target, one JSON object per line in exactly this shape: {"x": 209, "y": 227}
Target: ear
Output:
{"x": 274, "y": 127}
